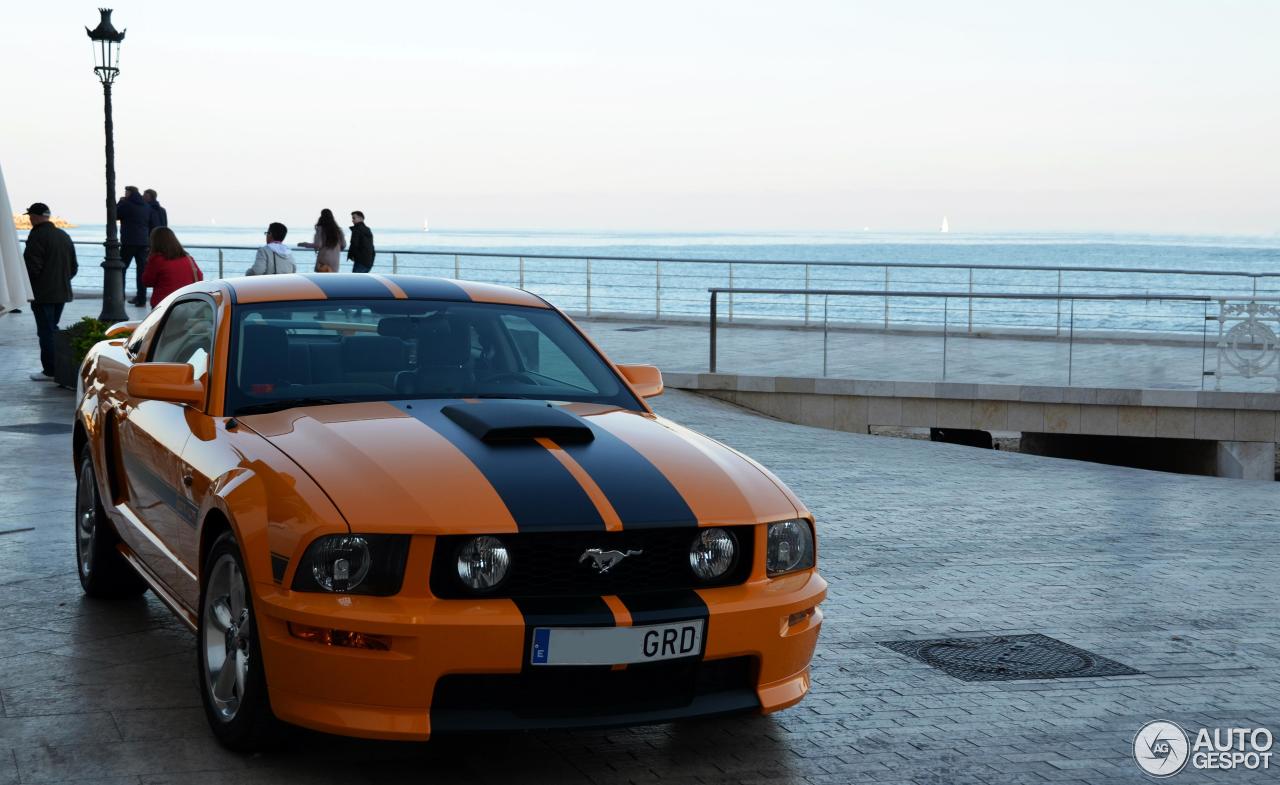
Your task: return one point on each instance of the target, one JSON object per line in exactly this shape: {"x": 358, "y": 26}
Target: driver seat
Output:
{"x": 444, "y": 359}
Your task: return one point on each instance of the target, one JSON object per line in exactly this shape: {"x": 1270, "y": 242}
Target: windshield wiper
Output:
{"x": 288, "y": 403}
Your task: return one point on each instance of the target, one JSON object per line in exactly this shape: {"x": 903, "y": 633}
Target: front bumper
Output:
{"x": 465, "y": 655}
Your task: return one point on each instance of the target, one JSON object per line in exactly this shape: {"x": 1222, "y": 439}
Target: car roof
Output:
{"x": 372, "y": 286}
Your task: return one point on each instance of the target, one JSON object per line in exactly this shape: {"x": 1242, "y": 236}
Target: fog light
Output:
{"x": 343, "y": 638}
{"x": 483, "y": 563}
{"x": 712, "y": 553}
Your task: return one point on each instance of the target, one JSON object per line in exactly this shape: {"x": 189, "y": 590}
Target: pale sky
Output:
{"x": 1134, "y": 116}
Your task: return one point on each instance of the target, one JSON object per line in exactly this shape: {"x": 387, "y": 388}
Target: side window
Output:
{"x": 145, "y": 329}
{"x": 186, "y": 336}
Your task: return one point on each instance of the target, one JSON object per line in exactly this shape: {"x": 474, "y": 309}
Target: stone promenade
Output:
{"x": 1175, "y": 576}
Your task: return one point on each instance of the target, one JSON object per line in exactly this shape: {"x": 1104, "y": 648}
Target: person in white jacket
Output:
{"x": 274, "y": 257}
{"x": 15, "y": 285}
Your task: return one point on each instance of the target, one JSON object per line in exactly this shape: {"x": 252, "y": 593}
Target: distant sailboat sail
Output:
{"x": 425, "y": 227}
{"x": 946, "y": 227}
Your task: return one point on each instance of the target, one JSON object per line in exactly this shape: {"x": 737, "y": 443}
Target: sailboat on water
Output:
{"x": 946, "y": 227}
{"x": 425, "y": 226}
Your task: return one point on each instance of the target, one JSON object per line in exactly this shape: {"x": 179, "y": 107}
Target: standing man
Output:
{"x": 51, "y": 264}
{"x": 159, "y": 215}
{"x": 135, "y": 235}
{"x": 361, "y": 251}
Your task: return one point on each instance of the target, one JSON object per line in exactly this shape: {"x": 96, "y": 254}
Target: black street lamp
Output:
{"x": 106, "y": 54}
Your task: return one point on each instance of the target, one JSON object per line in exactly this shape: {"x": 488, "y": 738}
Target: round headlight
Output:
{"x": 790, "y": 547}
{"x": 482, "y": 563}
{"x": 340, "y": 563}
{"x": 712, "y": 553}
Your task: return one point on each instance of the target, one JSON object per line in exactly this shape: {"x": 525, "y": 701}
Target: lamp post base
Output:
{"x": 113, "y": 287}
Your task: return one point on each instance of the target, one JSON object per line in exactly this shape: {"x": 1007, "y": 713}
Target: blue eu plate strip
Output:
{"x": 541, "y": 646}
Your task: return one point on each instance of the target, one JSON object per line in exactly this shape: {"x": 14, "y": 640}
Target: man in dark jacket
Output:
{"x": 51, "y": 264}
{"x": 159, "y": 215}
{"x": 135, "y": 234}
{"x": 361, "y": 251}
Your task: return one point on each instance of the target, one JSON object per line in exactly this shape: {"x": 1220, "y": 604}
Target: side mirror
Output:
{"x": 121, "y": 328}
{"x": 646, "y": 379}
{"x": 172, "y": 382}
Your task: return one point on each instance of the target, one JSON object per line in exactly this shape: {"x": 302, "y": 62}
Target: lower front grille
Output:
{"x": 584, "y": 696}
{"x": 551, "y": 564}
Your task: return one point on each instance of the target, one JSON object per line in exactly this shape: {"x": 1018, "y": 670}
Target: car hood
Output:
{"x": 411, "y": 467}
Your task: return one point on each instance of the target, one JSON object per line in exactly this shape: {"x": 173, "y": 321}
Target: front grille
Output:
{"x": 548, "y": 564}
{"x": 558, "y": 692}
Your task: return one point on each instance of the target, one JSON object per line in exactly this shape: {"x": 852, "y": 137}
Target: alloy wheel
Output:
{"x": 86, "y": 519}
{"x": 226, "y": 637}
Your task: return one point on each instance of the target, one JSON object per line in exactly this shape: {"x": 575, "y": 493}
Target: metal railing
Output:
{"x": 673, "y": 288}
{"x": 1239, "y": 334}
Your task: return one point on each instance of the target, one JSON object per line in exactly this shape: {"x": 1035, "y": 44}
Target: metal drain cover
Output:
{"x": 38, "y": 428}
{"x": 1009, "y": 658}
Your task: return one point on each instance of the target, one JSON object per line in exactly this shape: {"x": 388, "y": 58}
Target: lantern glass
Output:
{"x": 106, "y": 47}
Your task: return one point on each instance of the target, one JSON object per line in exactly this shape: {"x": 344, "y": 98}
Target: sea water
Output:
{"x": 580, "y": 278}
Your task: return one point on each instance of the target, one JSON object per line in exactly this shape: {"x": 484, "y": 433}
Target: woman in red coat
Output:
{"x": 169, "y": 267}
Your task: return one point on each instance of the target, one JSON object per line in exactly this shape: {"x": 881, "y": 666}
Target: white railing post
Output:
{"x": 731, "y": 293}
{"x": 657, "y": 290}
{"x": 395, "y": 264}
{"x": 220, "y": 271}
{"x": 588, "y": 287}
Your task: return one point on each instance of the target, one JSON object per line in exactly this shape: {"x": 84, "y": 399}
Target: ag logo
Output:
{"x": 1161, "y": 748}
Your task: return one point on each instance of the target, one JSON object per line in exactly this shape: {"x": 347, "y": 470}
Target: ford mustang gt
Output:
{"x": 392, "y": 506}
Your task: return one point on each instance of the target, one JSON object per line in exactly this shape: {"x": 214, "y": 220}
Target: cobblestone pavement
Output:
{"x": 1173, "y": 575}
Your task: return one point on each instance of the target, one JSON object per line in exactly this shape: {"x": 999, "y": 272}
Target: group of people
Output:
{"x": 329, "y": 241}
{"x": 162, "y": 264}
{"x": 140, "y": 214}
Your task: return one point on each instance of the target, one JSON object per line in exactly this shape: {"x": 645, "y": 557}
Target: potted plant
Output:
{"x": 71, "y": 345}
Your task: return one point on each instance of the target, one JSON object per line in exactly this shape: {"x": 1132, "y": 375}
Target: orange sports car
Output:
{"x": 390, "y": 506}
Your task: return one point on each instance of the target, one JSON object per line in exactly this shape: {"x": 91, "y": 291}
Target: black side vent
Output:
{"x": 506, "y": 421}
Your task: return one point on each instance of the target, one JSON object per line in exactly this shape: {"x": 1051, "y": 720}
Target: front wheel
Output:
{"x": 103, "y": 570}
{"x": 230, "y": 656}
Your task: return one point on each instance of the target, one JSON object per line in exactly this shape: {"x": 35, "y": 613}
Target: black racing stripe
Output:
{"x": 561, "y": 612}
{"x": 423, "y": 288}
{"x": 343, "y": 286}
{"x": 665, "y": 606}
{"x": 641, "y": 494}
{"x": 183, "y": 507}
{"x": 539, "y": 492}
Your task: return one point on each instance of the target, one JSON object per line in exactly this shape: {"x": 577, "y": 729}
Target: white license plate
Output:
{"x": 616, "y": 645}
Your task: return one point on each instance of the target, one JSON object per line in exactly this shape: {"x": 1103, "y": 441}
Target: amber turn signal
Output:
{"x": 345, "y": 638}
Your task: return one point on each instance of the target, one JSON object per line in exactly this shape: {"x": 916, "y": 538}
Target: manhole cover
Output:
{"x": 638, "y": 329}
{"x": 1009, "y": 658}
{"x": 38, "y": 428}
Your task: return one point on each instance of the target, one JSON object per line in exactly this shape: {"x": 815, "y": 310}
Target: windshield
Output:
{"x": 286, "y": 354}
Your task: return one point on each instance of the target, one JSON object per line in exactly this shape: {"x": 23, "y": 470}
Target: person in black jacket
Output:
{"x": 361, "y": 251}
{"x": 51, "y": 264}
{"x": 159, "y": 215}
{"x": 134, "y": 215}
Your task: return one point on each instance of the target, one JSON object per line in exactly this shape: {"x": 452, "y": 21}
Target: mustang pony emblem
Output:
{"x": 604, "y": 561}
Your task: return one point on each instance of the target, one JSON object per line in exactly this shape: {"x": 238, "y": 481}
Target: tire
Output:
{"x": 233, "y": 684}
{"x": 103, "y": 570}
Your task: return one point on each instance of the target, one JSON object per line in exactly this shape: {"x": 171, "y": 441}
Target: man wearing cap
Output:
{"x": 51, "y": 264}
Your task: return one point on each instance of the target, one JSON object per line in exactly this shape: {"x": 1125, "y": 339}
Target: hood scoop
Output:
{"x": 496, "y": 422}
